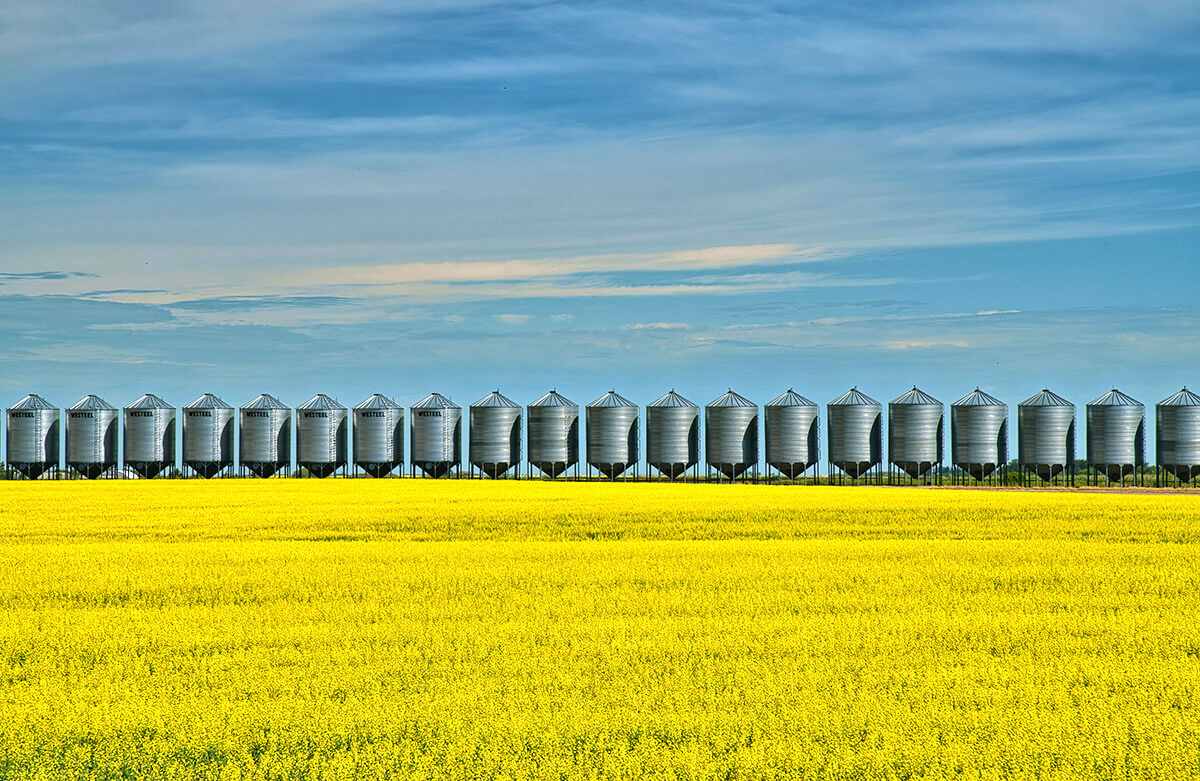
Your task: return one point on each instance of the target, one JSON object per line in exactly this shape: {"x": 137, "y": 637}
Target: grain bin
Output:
{"x": 149, "y": 436}
{"x": 916, "y": 433}
{"x": 979, "y": 434}
{"x": 1116, "y": 435}
{"x": 378, "y": 435}
{"x": 855, "y": 423}
{"x": 672, "y": 434}
{"x": 92, "y": 426}
{"x": 792, "y": 433}
{"x": 1046, "y": 435}
{"x": 321, "y": 435}
{"x": 208, "y": 435}
{"x": 494, "y": 432}
{"x": 612, "y": 435}
{"x": 33, "y": 436}
{"x": 266, "y": 436}
{"x": 731, "y": 435}
{"x": 435, "y": 429}
{"x": 552, "y": 424}
{"x": 1177, "y": 435}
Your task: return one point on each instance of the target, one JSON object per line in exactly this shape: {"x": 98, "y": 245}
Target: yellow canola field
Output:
{"x": 350, "y": 629}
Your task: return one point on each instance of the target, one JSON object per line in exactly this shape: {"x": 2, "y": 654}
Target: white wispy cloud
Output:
{"x": 925, "y": 344}
{"x": 656, "y": 326}
{"x": 931, "y": 332}
{"x": 184, "y": 123}
{"x": 52, "y": 36}
{"x": 470, "y": 68}
{"x": 513, "y": 270}
{"x": 876, "y": 317}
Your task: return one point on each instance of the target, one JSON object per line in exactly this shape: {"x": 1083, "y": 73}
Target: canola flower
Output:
{"x": 418, "y": 629}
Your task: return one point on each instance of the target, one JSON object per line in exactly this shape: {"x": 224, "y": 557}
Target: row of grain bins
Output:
{"x": 916, "y": 427}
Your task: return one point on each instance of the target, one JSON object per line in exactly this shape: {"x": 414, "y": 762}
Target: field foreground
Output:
{"x": 374, "y": 629}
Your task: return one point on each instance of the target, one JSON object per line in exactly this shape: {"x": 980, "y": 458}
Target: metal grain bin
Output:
{"x": 855, "y": 422}
{"x": 916, "y": 433}
{"x": 266, "y": 436}
{"x": 208, "y": 435}
{"x": 552, "y": 424}
{"x": 149, "y": 436}
{"x": 793, "y": 442}
{"x": 612, "y": 434}
{"x": 321, "y": 435}
{"x": 435, "y": 430}
{"x": 33, "y": 434}
{"x": 731, "y": 434}
{"x": 1116, "y": 434}
{"x": 1177, "y": 437}
{"x": 378, "y": 435}
{"x": 979, "y": 434}
{"x": 1046, "y": 434}
{"x": 92, "y": 426}
{"x": 494, "y": 431}
{"x": 672, "y": 434}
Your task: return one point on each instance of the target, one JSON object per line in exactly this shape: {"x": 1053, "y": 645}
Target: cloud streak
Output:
{"x": 660, "y": 326}
{"x": 243, "y": 303}
{"x": 513, "y": 270}
{"x": 42, "y": 276}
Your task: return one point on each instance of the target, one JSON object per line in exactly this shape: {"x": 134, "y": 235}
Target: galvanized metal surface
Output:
{"x": 672, "y": 434}
{"x": 321, "y": 435}
{"x": 1177, "y": 434}
{"x": 979, "y": 434}
{"x": 552, "y": 435}
{"x": 1046, "y": 434}
{"x": 149, "y": 435}
{"x": 792, "y": 433}
{"x": 1116, "y": 434}
{"x": 266, "y": 436}
{"x": 208, "y": 435}
{"x": 916, "y": 432}
{"x": 494, "y": 433}
{"x": 33, "y": 435}
{"x": 92, "y": 425}
{"x": 855, "y": 422}
{"x": 612, "y": 434}
{"x": 378, "y": 435}
{"x": 731, "y": 434}
{"x": 435, "y": 430}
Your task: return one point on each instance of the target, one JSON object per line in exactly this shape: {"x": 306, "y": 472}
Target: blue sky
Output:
{"x": 351, "y": 196}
